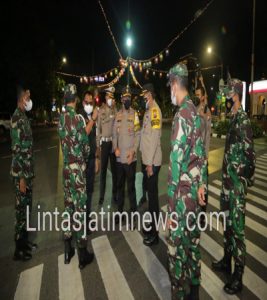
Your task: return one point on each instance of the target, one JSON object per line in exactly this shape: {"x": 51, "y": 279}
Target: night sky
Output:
{"x": 32, "y": 30}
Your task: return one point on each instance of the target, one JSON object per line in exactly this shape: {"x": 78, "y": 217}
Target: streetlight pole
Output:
{"x": 252, "y": 58}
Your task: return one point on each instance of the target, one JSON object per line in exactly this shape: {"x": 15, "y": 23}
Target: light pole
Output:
{"x": 211, "y": 52}
{"x": 129, "y": 43}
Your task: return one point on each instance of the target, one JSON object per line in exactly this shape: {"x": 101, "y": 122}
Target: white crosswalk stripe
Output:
{"x": 261, "y": 183}
{"x": 250, "y": 279}
{"x": 153, "y": 269}
{"x": 115, "y": 283}
{"x": 253, "y": 209}
{"x": 261, "y": 171}
{"x": 250, "y": 196}
{"x": 69, "y": 276}
{"x": 29, "y": 285}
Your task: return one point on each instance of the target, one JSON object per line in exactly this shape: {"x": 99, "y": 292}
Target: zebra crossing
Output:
{"x": 149, "y": 265}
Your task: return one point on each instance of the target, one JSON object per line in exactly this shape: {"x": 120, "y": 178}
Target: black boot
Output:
{"x": 29, "y": 245}
{"x": 21, "y": 251}
{"x": 69, "y": 251}
{"x": 194, "y": 292}
{"x": 151, "y": 240}
{"x": 85, "y": 257}
{"x": 235, "y": 285}
{"x": 223, "y": 265}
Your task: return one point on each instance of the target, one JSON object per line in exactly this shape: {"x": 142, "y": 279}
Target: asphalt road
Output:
{"x": 123, "y": 267}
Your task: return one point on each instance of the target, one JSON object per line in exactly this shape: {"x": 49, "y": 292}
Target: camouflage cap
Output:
{"x": 234, "y": 86}
{"x": 178, "y": 70}
{"x": 70, "y": 92}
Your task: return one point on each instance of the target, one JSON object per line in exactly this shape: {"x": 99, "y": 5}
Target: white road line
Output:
{"x": 253, "y": 209}
{"x": 29, "y": 285}
{"x": 263, "y": 159}
{"x": 37, "y": 150}
{"x": 262, "y": 230}
{"x": 251, "y": 280}
{"x": 115, "y": 283}
{"x": 257, "y": 170}
{"x": 210, "y": 281}
{"x": 261, "y": 183}
{"x": 69, "y": 279}
{"x": 8, "y": 156}
{"x": 250, "y": 196}
{"x": 153, "y": 269}
{"x": 52, "y": 147}
{"x": 261, "y": 166}
{"x": 260, "y": 176}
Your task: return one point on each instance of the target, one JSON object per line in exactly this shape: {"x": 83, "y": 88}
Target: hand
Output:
{"x": 117, "y": 152}
{"x": 130, "y": 156}
{"x": 201, "y": 196}
{"x": 149, "y": 171}
{"x": 22, "y": 186}
{"x": 97, "y": 165}
{"x": 95, "y": 114}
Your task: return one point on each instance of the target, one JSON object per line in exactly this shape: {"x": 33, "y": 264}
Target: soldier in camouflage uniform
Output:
{"x": 75, "y": 149}
{"x": 22, "y": 172}
{"x": 237, "y": 174}
{"x": 126, "y": 137}
{"x": 186, "y": 188}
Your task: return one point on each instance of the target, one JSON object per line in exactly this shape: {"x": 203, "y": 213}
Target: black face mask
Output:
{"x": 196, "y": 101}
{"x": 127, "y": 104}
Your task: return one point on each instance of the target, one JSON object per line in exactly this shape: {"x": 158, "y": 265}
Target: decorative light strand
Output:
{"x": 109, "y": 28}
{"x": 133, "y": 76}
{"x": 113, "y": 81}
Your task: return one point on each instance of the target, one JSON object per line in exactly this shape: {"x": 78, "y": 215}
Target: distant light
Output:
{"x": 64, "y": 60}
{"x": 211, "y": 88}
{"x": 209, "y": 50}
{"x": 128, "y": 24}
{"x": 129, "y": 42}
{"x": 213, "y": 75}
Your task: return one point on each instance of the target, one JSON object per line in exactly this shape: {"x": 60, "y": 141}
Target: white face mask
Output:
{"x": 88, "y": 108}
{"x": 173, "y": 98}
{"x": 28, "y": 105}
{"x": 63, "y": 108}
{"x": 147, "y": 104}
{"x": 109, "y": 102}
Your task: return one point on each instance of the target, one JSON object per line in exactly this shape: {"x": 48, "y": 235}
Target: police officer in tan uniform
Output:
{"x": 126, "y": 138}
{"x": 105, "y": 121}
{"x": 151, "y": 153}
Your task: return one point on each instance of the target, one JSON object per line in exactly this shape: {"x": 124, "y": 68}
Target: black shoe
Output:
{"x": 85, "y": 257}
{"x": 151, "y": 240}
{"x": 21, "y": 251}
{"x": 69, "y": 251}
{"x": 194, "y": 292}
{"x": 31, "y": 246}
{"x": 142, "y": 201}
{"x": 118, "y": 218}
{"x": 223, "y": 265}
{"x": 101, "y": 201}
{"x": 235, "y": 285}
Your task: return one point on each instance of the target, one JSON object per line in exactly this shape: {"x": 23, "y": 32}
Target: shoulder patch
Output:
{"x": 155, "y": 118}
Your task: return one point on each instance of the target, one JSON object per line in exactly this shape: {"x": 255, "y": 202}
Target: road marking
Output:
{"x": 257, "y": 170}
{"x": 261, "y": 183}
{"x": 262, "y": 230}
{"x": 37, "y": 150}
{"x": 253, "y": 209}
{"x": 209, "y": 280}
{"x": 52, "y": 147}
{"x": 8, "y": 156}
{"x": 69, "y": 279}
{"x": 115, "y": 283}
{"x": 29, "y": 285}
{"x": 153, "y": 269}
{"x": 261, "y": 166}
{"x": 250, "y": 196}
{"x": 251, "y": 280}
{"x": 260, "y": 176}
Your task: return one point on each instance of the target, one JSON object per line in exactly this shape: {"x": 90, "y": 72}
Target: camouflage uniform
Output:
{"x": 187, "y": 172}
{"x": 21, "y": 167}
{"x": 75, "y": 149}
{"x": 237, "y": 174}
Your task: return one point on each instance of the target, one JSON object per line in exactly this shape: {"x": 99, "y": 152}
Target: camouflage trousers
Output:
{"x": 233, "y": 204}
{"x": 183, "y": 248}
{"x": 21, "y": 203}
{"x": 75, "y": 197}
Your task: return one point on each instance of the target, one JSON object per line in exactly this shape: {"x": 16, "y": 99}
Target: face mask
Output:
{"x": 88, "y": 108}
{"x": 63, "y": 108}
{"x": 28, "y": 105}
{"x": 196, "y": 101}
{"x": 173, "y": 98}
{"x": 127, "y": 104}
{"x": 147, "y": 104}
{"x": 109, "y": 102}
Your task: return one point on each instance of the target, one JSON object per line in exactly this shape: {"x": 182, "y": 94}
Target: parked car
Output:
{"x": 4, "y": 122}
